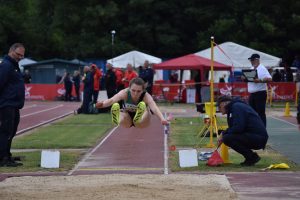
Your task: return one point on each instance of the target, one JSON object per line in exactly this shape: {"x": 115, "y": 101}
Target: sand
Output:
{"x": 116, "y": 186}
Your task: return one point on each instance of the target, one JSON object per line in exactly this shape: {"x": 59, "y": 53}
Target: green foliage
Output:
{"x": 82, "y": 29}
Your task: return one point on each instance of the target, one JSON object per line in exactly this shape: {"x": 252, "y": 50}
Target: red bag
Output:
{"x": 215, "y": 159}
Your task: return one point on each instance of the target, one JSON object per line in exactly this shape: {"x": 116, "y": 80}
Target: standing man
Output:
{"x": 12, "y": 97}
{"x": 68, "y": 86}
{"x": 258, "y": 88}
{"x": 148, "y": 76}
{"x": 96, "y": 76}
{"x": 76, "y": 82}
{"x": 110, "y": 81}
{"x": 88, "y": 89}
{"x": 129, "y": 75}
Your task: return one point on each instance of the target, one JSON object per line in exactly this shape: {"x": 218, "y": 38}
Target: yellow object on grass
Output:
{"x": 279, "y": 166}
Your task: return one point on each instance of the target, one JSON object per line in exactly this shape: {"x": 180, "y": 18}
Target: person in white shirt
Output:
{"x": 258, "y": 88}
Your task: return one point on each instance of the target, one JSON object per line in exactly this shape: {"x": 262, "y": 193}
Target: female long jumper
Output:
{"x": 132, "y": 106}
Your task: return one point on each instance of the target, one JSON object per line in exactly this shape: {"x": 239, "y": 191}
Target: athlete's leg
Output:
{"x": 145, "y": 121}
{"x": 125, "y": 120}
{"x": 141, "y": 107}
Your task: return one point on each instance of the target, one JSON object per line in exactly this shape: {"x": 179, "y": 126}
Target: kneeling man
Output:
{"x": 246, "y": 131}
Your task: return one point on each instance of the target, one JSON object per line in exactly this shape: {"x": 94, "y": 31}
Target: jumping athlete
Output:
{"x": 135, "y": 106}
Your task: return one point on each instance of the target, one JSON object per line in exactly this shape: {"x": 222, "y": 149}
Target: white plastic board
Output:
{"x": 50, "y": 159}
{"x": 188, "y": 158}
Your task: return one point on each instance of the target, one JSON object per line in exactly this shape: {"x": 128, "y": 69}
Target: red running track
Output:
{"x": 127, "y": 150}
{"x": 37, "y": 113}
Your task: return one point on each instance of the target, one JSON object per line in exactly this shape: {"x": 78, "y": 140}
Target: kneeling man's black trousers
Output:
{"x": 244, "y": 143}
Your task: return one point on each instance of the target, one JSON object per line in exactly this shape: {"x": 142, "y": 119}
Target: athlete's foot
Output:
{"x": 115, "y": 113}
{"x": 141, "y": 107}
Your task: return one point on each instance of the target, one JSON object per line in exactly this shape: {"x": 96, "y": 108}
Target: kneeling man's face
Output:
{"x": 222, "y": 107}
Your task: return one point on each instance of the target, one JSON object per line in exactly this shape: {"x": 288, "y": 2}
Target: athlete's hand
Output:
{"x": 164, "y": 122}
{"x": 99, "y": 104}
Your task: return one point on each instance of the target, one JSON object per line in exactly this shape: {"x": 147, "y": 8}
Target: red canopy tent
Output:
{"x": 190, "y": 62}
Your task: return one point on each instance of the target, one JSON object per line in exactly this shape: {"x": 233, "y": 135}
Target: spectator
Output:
{"x": 246, "y": 130}
{"x": 222, "y": 79}
{"x": 197, "y": 79}
{"x": 276, "y": 76}
{"x": 258, "y": 88}
{"x": 110, "y": 81}
{"x": 88, "y": 89}
{"x": 68, "y": 86}
{"x": 173, "y": 77}
{"x": 119, "y": 77}
{"x": 97, "y": 76}
{"x": 147, "y": 76}
{"x": 12, "y": 98}
{"x": 296, "y": 62}
{"x": 287, "y": 74}
{"x": 27, "y": 76}
{"x": 76, "y": 82}
{"x": 129, "y": 75}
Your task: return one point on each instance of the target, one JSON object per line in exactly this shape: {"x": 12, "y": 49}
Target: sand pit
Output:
{"x": 121, "y": 187}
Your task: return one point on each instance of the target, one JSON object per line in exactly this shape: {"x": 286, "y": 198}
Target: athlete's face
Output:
{"x": 136, "y": 91}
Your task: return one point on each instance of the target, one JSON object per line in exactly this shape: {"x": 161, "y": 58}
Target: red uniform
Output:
{"x": 119, "y": 77}
{"x": 129, "y": 75}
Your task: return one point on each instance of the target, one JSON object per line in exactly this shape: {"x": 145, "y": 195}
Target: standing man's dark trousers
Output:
{"x": 87, "y": 99}
{"x": 9, "y": 121}
{"x": 257, "y": 101}
{"x": 243, "y": 143}
{"x": 95, "y": 96}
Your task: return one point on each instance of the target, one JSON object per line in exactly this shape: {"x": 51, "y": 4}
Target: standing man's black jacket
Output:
{"x": 12, "y": 88}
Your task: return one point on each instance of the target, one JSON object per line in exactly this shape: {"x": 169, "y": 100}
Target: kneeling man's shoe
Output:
{"x": 251, "y": 161}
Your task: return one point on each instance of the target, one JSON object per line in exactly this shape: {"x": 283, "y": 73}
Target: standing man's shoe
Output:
{"x": 9, "y": 163}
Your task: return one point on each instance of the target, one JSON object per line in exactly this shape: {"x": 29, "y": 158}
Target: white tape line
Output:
{"x": 90, "y": 153}
{"x": 42, "y": 111}
{"x": 166, "y": 152}
{"x": 42, "y": 123}
{"x": 285, "y": 121}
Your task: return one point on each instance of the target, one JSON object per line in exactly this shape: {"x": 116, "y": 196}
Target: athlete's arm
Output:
{"x": 116, "y": 98}
{"x": 151, "y": 103}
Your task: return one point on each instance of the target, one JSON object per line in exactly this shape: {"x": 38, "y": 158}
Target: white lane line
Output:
{"x": 42, "y": 111}
{"x": 166, "y": 152}
{"x": 42, "y": 123}
{"x": 91, "y": 152}
{"x": 31, "y": 106}
{"x": 284, "y": 121}
{"x": 166, "y": 149}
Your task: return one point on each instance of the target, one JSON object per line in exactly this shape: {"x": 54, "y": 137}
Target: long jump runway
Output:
{"x": 37, "y": 113}
{"x": 127, "y": 150}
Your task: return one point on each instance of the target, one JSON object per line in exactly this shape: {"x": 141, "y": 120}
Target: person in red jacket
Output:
{"x": 97, "y": 76}
{"x": 119, "y": 76}
{"x": 129, "y": 75}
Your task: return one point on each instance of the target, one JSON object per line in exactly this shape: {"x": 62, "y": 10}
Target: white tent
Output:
{"x": 25, "y": 61}
{"x": 136, "y": 58}
{"x": 236, "y": 55}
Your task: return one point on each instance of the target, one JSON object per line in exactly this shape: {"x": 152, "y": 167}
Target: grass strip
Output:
{"x": 184, "y": 135}
{"x": 32, "y": 162}
{"x": 79, "y": 131}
